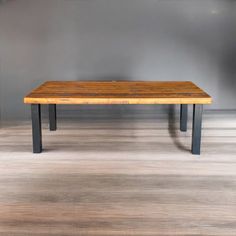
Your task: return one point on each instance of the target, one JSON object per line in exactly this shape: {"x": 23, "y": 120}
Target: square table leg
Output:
{"x": 183, "y": 117}
{"x": 36, "y": 128}
{"x": 197, "y": 129}
{"x": 52, "y": 117}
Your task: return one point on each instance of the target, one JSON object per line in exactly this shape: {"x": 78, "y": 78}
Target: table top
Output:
{"x": 118, "y": 92}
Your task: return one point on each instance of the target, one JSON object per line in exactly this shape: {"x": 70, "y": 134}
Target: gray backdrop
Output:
{"x": 116, "y": 40}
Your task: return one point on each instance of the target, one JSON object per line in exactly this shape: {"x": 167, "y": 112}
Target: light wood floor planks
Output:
{"x": 118, "y": 177}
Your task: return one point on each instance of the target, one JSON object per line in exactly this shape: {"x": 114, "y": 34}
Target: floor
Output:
{"x": 119, "y": 177}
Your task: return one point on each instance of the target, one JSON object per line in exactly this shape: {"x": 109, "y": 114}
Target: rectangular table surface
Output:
{"x": 118, "y": 92}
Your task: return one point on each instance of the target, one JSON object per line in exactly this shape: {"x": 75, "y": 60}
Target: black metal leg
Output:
{"x": 184, "y": 117}
{"x": 36, "y": 128}
{"x": 197, "y": 129}
{"x": 52, "y": 117}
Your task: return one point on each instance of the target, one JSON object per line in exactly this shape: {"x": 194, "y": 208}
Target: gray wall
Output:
{"x": 116, "y": 39}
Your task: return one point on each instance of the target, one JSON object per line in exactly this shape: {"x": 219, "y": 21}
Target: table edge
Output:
{"x": 107, "y": 101}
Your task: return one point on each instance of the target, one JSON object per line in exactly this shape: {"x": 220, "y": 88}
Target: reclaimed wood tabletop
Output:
{"x": 118, "y": 92}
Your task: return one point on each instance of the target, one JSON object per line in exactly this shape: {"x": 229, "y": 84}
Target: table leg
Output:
{"x": 197, "y": 129}
{"x": 183, "y": 117}
{"x": 36, "y": 128}
{"x": 52, "y": 117}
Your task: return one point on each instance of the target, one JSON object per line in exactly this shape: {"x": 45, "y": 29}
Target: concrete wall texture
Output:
{"x": 116, "y": 40}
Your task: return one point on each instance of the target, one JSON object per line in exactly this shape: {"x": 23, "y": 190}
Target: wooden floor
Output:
{"x": 119, "y": 177}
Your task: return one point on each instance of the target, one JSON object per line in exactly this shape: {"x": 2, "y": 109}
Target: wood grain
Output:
{"x": 117, "y": 177}
{"x": 117, "y": 92}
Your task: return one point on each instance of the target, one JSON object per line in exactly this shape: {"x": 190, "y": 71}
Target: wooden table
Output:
{"x": 118, "y": 92}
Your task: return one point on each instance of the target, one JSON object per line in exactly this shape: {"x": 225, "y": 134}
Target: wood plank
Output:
{"x": 112, "y": 177}
{"x": 118, "y": 92}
